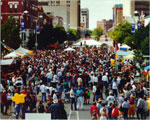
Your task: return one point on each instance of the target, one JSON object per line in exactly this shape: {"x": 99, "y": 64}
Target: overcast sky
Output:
{"x": 99, "y": 9}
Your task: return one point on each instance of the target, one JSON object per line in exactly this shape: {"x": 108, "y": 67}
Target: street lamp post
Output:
{"x": 22, "y": 26}
{"x": 37, "y": 27}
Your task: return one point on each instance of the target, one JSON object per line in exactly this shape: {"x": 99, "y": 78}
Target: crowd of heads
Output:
{"x": 55, "y": 71}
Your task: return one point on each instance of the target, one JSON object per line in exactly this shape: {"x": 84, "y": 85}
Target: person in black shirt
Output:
{"x": 98, "y": 92}
{"x": 41, "y": 107}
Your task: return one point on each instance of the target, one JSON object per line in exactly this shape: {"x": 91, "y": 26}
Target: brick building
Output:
{"x": 105, "y": 24}
{"x": 117, "y": 14}
{"x": 26, "y": 11}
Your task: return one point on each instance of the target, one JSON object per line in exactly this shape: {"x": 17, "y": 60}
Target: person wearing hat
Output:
{"x": 131, "y": 111}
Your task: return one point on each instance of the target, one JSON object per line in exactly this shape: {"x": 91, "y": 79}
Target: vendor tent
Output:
{"x": 88, "y": 43}
{"x": 69, "y": 49}
{"x": 13, "y": 55}
{"x": 22, "y": 50}
{"x": 7, "y": 62}
{"x": 124, "y": 53}
{"x": 124, "y": 47}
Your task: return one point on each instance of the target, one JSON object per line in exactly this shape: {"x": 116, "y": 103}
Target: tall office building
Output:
{"x": 74, "y": 9}
{"x": 118, "y": 14}
{"x": 135, "y": 7}
{"x": 128, "y": 8}
{"x": 142, "y": 7}
{"x": 84, "y": 18}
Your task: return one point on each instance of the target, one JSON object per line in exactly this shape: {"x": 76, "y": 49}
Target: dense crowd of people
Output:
{"x": 118, "y": 89}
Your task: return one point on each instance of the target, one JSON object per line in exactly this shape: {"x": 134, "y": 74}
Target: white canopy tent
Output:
{"x": 13, "y": 55}
{"x": 88, "y": 43}
{"x": 18, "y": 52}
{"x": 69, "y": 49}
{"x": 124, "y": 53}
{"x": 7, "y": 62}
{"x": 22, "y": 50}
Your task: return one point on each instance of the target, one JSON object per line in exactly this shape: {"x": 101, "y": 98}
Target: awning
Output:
{"x": 7, "y": 62}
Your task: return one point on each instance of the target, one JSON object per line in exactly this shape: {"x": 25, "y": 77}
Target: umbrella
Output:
{"x": 69, "y": 49}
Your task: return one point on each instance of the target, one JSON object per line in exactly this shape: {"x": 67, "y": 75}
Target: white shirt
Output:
{"x": 114, "y": 85}
{"x": 110, "y": 99}
{"x": 72, "y": 93}
{"x": 94, "y": 89}
{"x": 101, "y": 110}
{"x": 43, "y": 88}
{"x": 92, "y": 79}
{"x": 95, "y": 79}
{"x": 133, "y": 87}
{"x": 49, "y": 75}
{"x": 54, "y": 96}
{"x": 105, "y": 78}
{"x": 118, "y": 80}
{"x": 55, "y": 79}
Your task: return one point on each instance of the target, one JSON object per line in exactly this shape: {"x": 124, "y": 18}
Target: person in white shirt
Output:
{"x": 19, "y": 83}
{"x": 43, "y": 91}
{"x": 49, "y": 77}
{"x": 95, "y": 79}
{"x": 73, "y": 99}
{"x": 110, "y": 98}
{"x": 105, "y": 80}
{"x": 55, "y": 95}
{"x": 114, "y": 87}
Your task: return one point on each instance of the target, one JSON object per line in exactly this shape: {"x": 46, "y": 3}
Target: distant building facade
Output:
{"x": 84, "y": 18}
{"x": 105, "y": 24}
{"x": 25, "y": 11}
{"x": 62, "y": 11}
{"x": 74, "y": 10}
{"x": 130, "y": 6}
{"x": 117, "y": 14}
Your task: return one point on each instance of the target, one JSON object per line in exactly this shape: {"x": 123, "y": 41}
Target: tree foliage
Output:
{"x": 97, "y": 32}
{"x": 10, "y": 33}
{"x": 121, "y": 31}
{"x": 73, "y": 35}
{"x": 138, "y": 40}
{"x": 60, "y": 34}
{"x": 138, "y": 56}
{"x": 46, "y": 36}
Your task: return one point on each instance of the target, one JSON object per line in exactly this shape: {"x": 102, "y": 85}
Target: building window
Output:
{"x": 57, "y": 3}
{"x": 68, "y": 1}
{"x": 10, "y": 8}
{"x": 16, "y": 8}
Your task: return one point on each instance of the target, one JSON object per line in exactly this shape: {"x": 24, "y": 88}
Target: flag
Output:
{"x": 7, "y": 47}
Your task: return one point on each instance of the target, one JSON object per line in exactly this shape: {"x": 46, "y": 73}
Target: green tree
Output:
{"x": 97, "y": 32}
{"x": 138, "y": 56}
{"x": 60, "y": 34}
{"x": 10, "y": 33}
{"x": 145, "y": 46}
{"x": 121, "y": 31}
{"x": 46, "y": 36}
{"x": 73, "y": 35}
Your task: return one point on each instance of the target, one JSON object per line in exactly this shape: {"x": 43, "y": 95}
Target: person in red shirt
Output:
{"x": 94, "y": 108}
{"x": 4, "y": 102}
{"x": 115, "y": 112}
